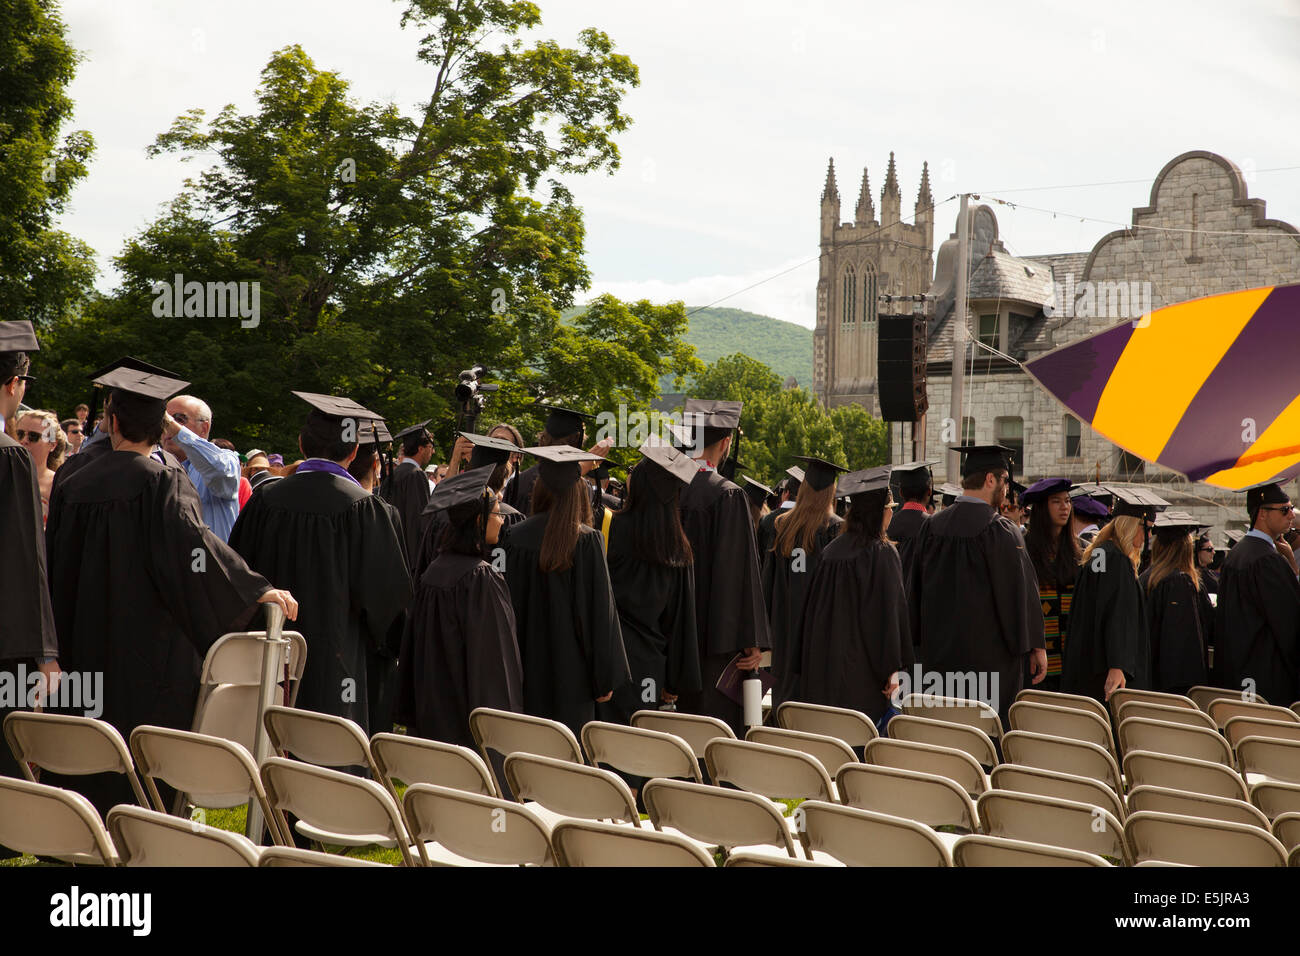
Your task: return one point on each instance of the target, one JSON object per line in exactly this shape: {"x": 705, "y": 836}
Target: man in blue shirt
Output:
{"x": 214, "y": 471}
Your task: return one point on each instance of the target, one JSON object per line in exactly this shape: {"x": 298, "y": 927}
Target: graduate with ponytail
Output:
{"x": 459, "y": 650}
{"x": 802, "y": 533}
{"x": 853, "y": 634}
{"x": 570, "y": 641}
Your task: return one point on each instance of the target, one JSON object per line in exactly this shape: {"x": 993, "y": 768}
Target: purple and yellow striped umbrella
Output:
{"x": 1209, "y": 388}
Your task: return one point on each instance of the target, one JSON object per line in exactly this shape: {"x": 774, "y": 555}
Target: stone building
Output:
{"x": 1200, "y": 234}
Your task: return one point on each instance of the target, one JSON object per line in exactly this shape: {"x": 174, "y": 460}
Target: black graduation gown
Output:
{"x": 458, "y": 650}
{"x": 1257, "y": 622}
{"x": 1108, "y": 626}
{"x": 785, "y": 588}
{"x": 436, "y": 524}
{"x": 519, "y": 492}
{"x": 903, "y": 527}
{"x": 141, "y": 589}
{"x": 407, "y": 490}
{"x": 570, "y": 642}
{"x": 729, "y": 611}
{"x": 973, "y": 602}
{"x": 765, "y": 534}
{"x": 854, "y": 631}
{"x": 381, "y": 665}
{"x": 656, "y": 614}
{"x": 27, "y": 633}
{"x": 1177, "y": 636}
{"x": 336, "y": 547}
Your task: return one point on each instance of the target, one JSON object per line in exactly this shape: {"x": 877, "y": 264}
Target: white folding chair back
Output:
{"x": 1264, "y": 758}
{"x": 715, "y": 815}
{"x": 279, "y": 856}
{"x": 944, "y": 733}
{"x": 211, "y": 771}
{"x": 149, "y": 838}
{"x": 863, "y": 838}
{"x": 51, "y": 821}
{"x": 1054, "y": 783}
{"x": 956, "y": 710}
{"x": 230, "y": 681}
{"x": 333, "y": 807}
{"x": 1076, "y": 701}
{"x": 1138, "y": 733}
{"x": 1195, "y": 841}
{"x": 1123, "y": 695}
{"x": 486, "y": 830}
{"x": 417, "y": 760}
{"x": 508, "y": 733}
{"x": 570, "y": 789}
{"x": 321, "y": 739}
{"x": 1203, "y": 695}
{"x": 1054, "y": 822}
{"x": 1287, "y": 830}
{"x": 584, "y": 843}
{"x": 1067, "y": 722}
{"x": 978, "y": 850}
{"x": 956, "y": 765}
{"x": 69, "y": 745}
{"x": 925, "y": 797}
{"x": 696, "y": 729}
{"x": 1274, "y": 798}
{"x": 769, "y": 860}
{"x": 1170, "y": 715}
{"x": 639, "y": 751}
{"x": 1222, "y": 711}
{"x": 1182, "y": 803}
{"x": 831, "y": 752}
{"x": 774, "y": 772}
{"x": 1147, "y": 768}
{"x": 1238, "y": 729}
{"x": 851, "y": 726}
{"x": 1065, "y": 756}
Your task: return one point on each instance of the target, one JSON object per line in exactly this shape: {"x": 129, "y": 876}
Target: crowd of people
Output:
{"x": 425, "y": 590}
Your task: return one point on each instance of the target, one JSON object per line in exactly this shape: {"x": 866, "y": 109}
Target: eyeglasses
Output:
{"x": 29, "y": 379}
{"x": 22, "y": 435}
{"x": 74, "y": 431}
{"x": 180, "y": 418}
{"x": 1285, "y": 509}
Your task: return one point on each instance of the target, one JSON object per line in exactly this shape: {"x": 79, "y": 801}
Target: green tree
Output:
{"x": 44, "y": 272}
{"x": 736, "y": 378}
{"x": 392, "y": 251}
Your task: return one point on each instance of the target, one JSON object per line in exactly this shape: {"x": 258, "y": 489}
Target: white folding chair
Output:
{"x": 149, "y": 838}
{"x": 1266, "y": 759}
{"x": 476, "y": 829}
{"x": 863, "y": 838}
{"x": 831, "y": 752}
{"x": 51, "y": 821}
{"x": 1068, "y": 722}
{"x": 560, "y": 789}
{"x": 956, "y": 710}
{"x": 506, "y": 733}
{"x": 1163, "y": 712}
{"x": 1274, "y": 798}
{"x": 231, "y": 679}
{"x": 417, "y": 760}
{"x": 1222, "y": 710}
{"x": 927, "y": 798}
{"x": 945, "y": 733}
{"x": 1196, "y": 841}
{"x": 1122, "y": 695}
{"x": 696, "y": 729}
{"x": 979, "y": 850}
{"x": 321, "y": 739}
{"x": 1144, "y": 767}
{"x": 639, "y": 751}
{"x": 586, "y": 843}
{"x": 1054, "y": 822}
{"x": 774, "y": 772}
{"x": 1054, "y": 783}
{"x": 1065, "y": 756}
{"x": 1182, "y": 803}
{"x": 956, "y": 765}
{"x": 1203, "y": 695}
{"x": 1055, "y": 699}
{"x": 716, "y": 817}
{"x": 69, "y": 745}
{"x": 851, "y": 726}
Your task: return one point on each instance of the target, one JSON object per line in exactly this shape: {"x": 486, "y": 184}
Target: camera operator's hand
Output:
{"x": 601, "y": 448}
{"x": 459, "y": 452}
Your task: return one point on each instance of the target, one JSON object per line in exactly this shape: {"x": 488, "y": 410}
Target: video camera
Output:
{"x": 471, "y": 393}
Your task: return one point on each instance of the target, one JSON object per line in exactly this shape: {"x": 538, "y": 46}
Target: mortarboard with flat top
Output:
{"x": 860, "y": 482}
{"x": 563, "y": 421}
{"x": 757, "y": 491}
{"x": 983, "y": 457}
{"x": 672, "y": 460}
{"x": 374, "y": 432}
{"x": 797, "y": 474}
{"x": 819, "y": 473}
{"x": 1137, "y": 502}
{"x": 468, "y": 486}
{"x": 415, "y": 429}
{"x": 489, "y": 451}
{"x": 712, "y": 413}
{"x": 1269, "y": 493}
{"x": 913, "y": 477}
{"x": 1177, "y": 521}
{"x": 18, "y": 335}
{"x": 336, "y": 406}
{"x": 155, "y": 386}
{"x": 559, "y": 466}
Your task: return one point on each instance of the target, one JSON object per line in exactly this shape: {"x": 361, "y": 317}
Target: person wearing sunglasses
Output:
{"x": 28, "y": 642}
{"x": 74, "y": 433}
{"x": 38, "y": 431}
{"x": 1257, "y": 624}
{"x": 214, "y": 471}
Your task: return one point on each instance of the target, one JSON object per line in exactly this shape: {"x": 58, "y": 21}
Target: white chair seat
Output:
{"x": 439, "y": 855}
{"x": 329, "y": 838}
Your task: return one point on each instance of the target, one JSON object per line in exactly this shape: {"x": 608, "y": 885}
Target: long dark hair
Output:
{"x": 866, "y": 518}
{"x": 466, "y": 531}
{"x": 569, "y": 510}
{"x": 799, "y": 526}
{"x": 1173, "y": 554}
{"x": 1054, "y": 552}
{"x": 650, "y": 518}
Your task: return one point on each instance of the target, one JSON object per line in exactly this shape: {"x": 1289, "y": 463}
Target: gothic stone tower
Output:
{"x": 860, "y": 261}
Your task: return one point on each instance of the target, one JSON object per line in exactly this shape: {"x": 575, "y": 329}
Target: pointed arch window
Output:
{"x": 849, "y": 298}
{"x": 869, "y": 292}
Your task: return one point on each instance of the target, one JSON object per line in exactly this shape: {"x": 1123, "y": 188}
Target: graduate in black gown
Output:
{"x": 1174, "y": 606}
{"x": 1109, "y": 644}
{"x": 730, "y": 616}
{"x": 973, "y": 597}
{"x": 758, "y": 495}
{"x": 915, "y": 483}
{"x": 27, "y": 638}
{"x": 141, "y": 588}
{"x": 563, "y": 426}
{"x": 338, "y": 549}
{"x": 854, "y": 632}
{"x": 459, "y": 650}
{"x": 802, "y": 533}
{"x": 1257, "y": 628}
{"x": 653, "y": 577}
{"x": 567, "y": 624}
{"x": 480, "y": 451}
{"x": 787, "y": 493}
{"x": 407, "y": 486}
{"x": 1054, "y": 550}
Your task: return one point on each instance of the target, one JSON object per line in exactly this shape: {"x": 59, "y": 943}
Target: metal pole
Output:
{"x": 959, "y": 342}
{"x": 273, "y": 649}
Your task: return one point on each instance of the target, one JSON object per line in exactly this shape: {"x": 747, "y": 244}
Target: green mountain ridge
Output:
{"x": 783, "y": 346}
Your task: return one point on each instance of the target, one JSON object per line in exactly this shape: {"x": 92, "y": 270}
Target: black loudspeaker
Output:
{"x": 900, "y": 368}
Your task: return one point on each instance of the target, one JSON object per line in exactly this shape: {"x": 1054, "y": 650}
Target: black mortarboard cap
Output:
{"x": 1270, "y": 493}
{"x": 559, "y": 466}
{"x": 1044, "y": 488}
{"x": 712, "y": 413}
{"x": 950, "y": 490}
{"x": 462, "y": 489}
{"x": 1017, "y": 489}
{"x": 819, "y": 473}
{"x": 868, "y": 479}
{"x": 374, "y": 432}
{"x": 672, "y": 460}
{"x": 156, "y": 386}
{"x": 757, "y": 491}
{"x": 563, "y": 421}
{"x": 1137, "y": 502}
{"x": 913, "y": 477}
{"x": 18, "y": 335}
{"x": 1177, "y": 521}
{"x": 412, "y": 430}
{"x": 336, "y": 406}
{"x": 489, "y": 451}
{"x": 797, "y": 473}
{"x": 1234, "y": 536}
{"x": 983, "y": 457}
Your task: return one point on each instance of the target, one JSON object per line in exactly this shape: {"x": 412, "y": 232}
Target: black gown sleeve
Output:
{"x": 28, "y": 628}
{"x": 597, "y": 617}
{"x": 493, "y": 668}
{"x": 678, "y": 622}
{"x": 381, "y": 584}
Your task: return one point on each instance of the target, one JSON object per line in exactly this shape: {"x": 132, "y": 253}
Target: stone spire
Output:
{"x": 831, "y": 191}
{"x": 891, "y": 179}
{"x": 866, "y": 211}
{"x": 923, "y": 195}
{"x": 890, "y": 200}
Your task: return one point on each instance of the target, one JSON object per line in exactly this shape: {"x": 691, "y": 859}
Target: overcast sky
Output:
{"x": 741, "y": 103}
